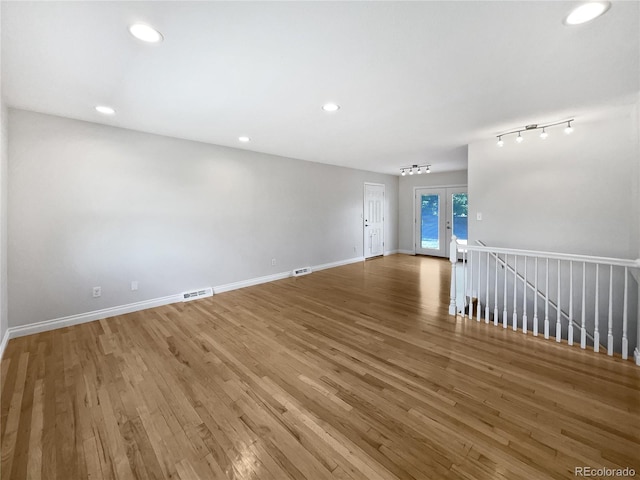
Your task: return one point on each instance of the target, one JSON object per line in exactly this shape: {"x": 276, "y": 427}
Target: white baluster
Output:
{"x": 559, "y": 310}
{"x": 504, "y": 312}
{"x": 515, "y": 300}
{"x": 486, "y": 297}
{"x": 625, "y": 340}
{"x": 546, "y": 301}
{"x": 610, "y": 325}
{"x": 524, "y": 298}
{"x": 583, "y": 328}
{"x": 479, "y": 309}
{"x": 453, "y": 258}
{"x": 535, "y": 300}
{"x": 596, "y": 333}
{"x": 495, "y": 294}
{"x": 570, "y": 337}
{"x": 462, "y": 306}
{"x": 471, "y": 285}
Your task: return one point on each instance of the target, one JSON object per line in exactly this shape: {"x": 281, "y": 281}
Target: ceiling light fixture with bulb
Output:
{"x": 419, "y": 169}
{"x": 586, "y": 12}
{"x": 145, "y": 33}
{"x": 519, "y": 139}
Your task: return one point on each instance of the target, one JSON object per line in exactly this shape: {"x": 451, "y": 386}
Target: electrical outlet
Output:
{"x": 97, "y": 292}
{"x": 134, "y": 285}
{"x": 273, "y": 262}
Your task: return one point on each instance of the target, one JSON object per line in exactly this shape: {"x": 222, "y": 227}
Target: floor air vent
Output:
{"x": 301, "y": 271}
{"x": 205, "y": 292}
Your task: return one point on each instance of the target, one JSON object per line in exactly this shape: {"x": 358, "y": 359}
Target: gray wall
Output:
{"x": 3, "y": 213}
{"x": 91, "y": 205}
{"x": 573, "y": 193}
{"x": 3, "y": 219}
{"x": 406, "y": 199}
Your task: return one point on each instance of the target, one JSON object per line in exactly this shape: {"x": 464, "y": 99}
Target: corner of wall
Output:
{"x": 3, "y": 217}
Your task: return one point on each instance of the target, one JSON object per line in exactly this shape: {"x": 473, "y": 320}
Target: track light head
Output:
{"x": 428, "y": 168}
{"x": 500, "y": 142}
{"x": 544, "y": 134}
{"x": 519, "y": 138}
{"x": 569, "y": 128}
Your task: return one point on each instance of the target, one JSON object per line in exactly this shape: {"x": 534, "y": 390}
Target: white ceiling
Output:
{"x": 417, "y": 81}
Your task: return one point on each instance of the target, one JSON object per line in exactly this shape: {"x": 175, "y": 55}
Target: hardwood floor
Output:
{"x": 353, "y": 373}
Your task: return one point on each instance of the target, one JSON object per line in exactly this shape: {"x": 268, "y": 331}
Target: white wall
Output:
{"x": 3, "y": 219}
{"x": 406, "y": 200}
{"x": 573, "y": 193}
{"x": 91, "y": 205}
{"x": 3, "y": 215}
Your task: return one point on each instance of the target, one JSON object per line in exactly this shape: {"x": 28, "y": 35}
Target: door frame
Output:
{"x": 413, "y": 197}
{"x": 384, "y": 207}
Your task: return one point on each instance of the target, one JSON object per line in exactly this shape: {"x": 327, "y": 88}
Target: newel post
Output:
{"x": 453, "y": 258}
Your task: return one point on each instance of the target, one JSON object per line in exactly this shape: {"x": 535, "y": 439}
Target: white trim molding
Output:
{"x": 46, "y": 325}
{"x": 250, "y": 282}
{"x": 3, "y": 343}
{"x": 339, "y": 263}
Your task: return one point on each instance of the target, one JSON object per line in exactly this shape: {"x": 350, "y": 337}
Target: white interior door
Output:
{"x": 440, "y": 212}
{"x": 373, "y": 220}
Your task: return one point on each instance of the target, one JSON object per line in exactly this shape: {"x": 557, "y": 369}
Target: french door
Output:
{"x": 439, "y": 213}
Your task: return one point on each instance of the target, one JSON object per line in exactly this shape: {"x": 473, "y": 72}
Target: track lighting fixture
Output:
{"x": 519, "y": 139}
{"x": 419, "y": 169}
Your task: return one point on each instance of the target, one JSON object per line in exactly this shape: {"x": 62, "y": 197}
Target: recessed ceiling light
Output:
{"x": 586, "y": 12}
{"x": 331, "y": 107}
{"x": 243, "y": 139}
{"x": 105, "y": 110}
{"x": 145, "y": 33}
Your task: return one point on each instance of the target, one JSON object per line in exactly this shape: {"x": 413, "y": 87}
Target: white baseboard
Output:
{"x": 3, "y": 344}
{"x": 250, "y": 282}
{"x": 391, "y": 252}
{"x": 46, "y": 325}
{"x": 62, "y": 322}
{"x": 340, "y": 263}
{"x": 407, "y": 252}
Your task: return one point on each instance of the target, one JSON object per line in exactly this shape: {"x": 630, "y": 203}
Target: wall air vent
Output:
{"x": 302, "y": 271}
{"x": 196, "y": 294}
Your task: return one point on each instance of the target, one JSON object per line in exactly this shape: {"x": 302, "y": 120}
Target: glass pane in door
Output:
{"x": 430, "y": 221}
{"x": 460, "y": 211}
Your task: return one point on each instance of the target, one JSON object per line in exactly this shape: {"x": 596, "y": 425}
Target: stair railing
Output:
{"x": 493, "y": 272}
{"x": 531, "y": 286}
